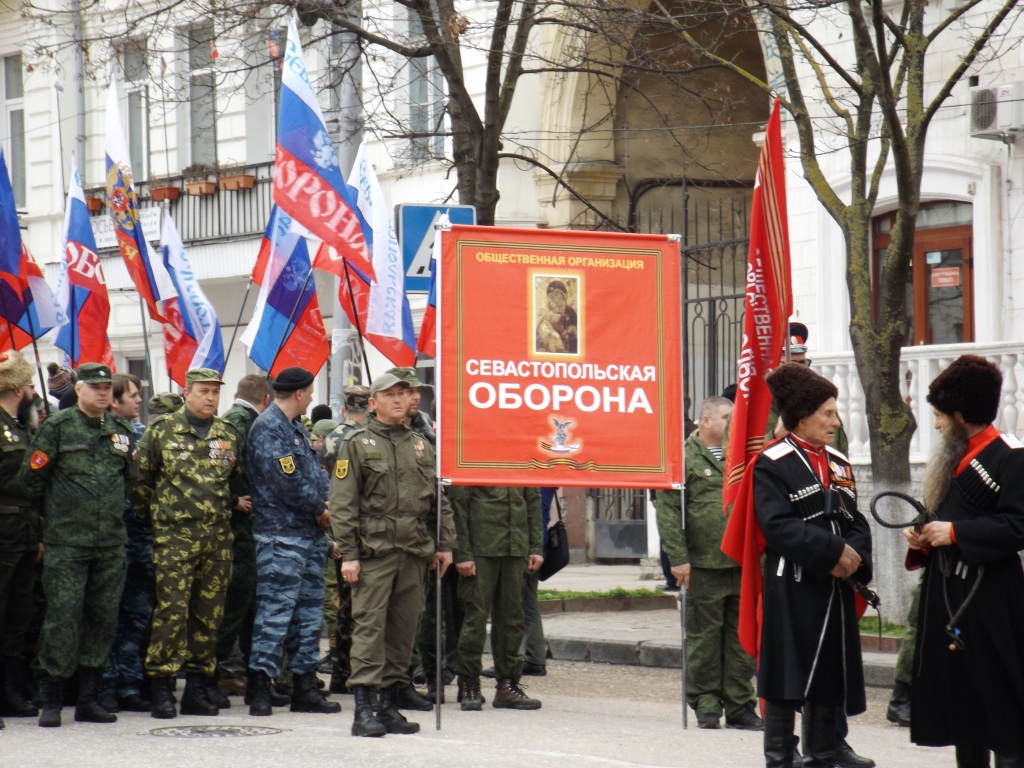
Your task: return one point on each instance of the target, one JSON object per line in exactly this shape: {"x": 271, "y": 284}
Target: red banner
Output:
{"x": 559, "y": 358}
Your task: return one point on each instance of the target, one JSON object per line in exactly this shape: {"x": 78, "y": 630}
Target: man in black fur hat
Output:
{"x": 805, "y": 499}
{"x": 968, "y": 685}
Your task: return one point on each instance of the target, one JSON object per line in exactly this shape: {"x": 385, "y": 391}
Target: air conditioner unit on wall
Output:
{"x": 997, "y": 111}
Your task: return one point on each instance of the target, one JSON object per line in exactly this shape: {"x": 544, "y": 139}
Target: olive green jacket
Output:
{"x": 700, "y": 544}
{"x": 79, "y": 472}
{"x": 383, "y": 491}
{"x": 187, "y": 483}
{"x": 19, "y": 530}
{"x": 493, "y": 521}
{"x": 241, "y": 418}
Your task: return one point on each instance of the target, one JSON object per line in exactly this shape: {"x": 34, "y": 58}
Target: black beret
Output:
{"x": 798, "y": 392}
{"x": 970, "y": 386}
{"x": 291, "y": 379}
{"x": 320, "y": 412}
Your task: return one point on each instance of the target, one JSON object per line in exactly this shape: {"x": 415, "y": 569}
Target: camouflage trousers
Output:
{"x": 192, "y": 578}
{"x": 83, "y": 587}
{"x": 240, "y": 605}
{"x": 495, "y": 593}
{"x": 289, "y": 603}
{"x": 17, "y": 580}
{"x": 134, "y": 617}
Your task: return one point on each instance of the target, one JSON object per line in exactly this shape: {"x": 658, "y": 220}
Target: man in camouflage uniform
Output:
{"x": 289, "y": 496}
{"x": 122, "y": 682}
{"x": 19, "y": 530}
{"x": 357, "y": 411}
{"x": 500, "y": 539}
{"x": 79, "y": 470}
{"x": 719, "y": 672}
{"x": 189, "y": 474}
{"x": 252, "y": 397}
{"x": 383, "y": 491}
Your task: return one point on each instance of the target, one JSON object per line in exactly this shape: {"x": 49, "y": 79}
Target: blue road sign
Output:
{"x": 416, "y": 236}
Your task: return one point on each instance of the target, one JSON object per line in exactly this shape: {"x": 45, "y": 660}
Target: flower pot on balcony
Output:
{"x": 159, "y": 194}
{"x": 201, "y": 187}
{"x": 237, "y": 181}
{"x": 94, "y": 204}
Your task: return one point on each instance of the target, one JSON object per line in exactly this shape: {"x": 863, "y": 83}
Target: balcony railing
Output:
{"x": 918, "y": 367}
{"x": 224, "y": 215}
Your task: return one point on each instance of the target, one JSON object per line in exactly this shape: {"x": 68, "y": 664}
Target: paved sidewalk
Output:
{"x": 650, "y": 638}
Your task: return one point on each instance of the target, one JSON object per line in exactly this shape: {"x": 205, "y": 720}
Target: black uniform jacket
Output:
{"x": 810, "y": 641}
{"x": 975, "y": 695}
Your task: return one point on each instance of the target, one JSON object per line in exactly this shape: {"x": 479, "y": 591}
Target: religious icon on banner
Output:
{"x": 556, "y": 314}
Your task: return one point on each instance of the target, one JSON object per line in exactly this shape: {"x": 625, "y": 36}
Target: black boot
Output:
{"x": 306, "y": 697}
{"x": 820, "y": 740}
{"x": 257, "y": 693}
{"x": 779, "y": 739}
{"x": 162, "y": 692}
{"x": 194, "y": 701}
{"x": 339, "y": 678}
{"x": 89, "y": 709}
{"x": 409, "y": 698}
{"x": 213, "y": 692}
{"x": 899, "y": 706}
{"x": 972, "y": 756}
{"x": 51, "y": 693}
{"x": 280, "y": 695}
{"x": 364, "y": 723}
{"x": 12, "y": 702}
{"x": 388, "y": 714}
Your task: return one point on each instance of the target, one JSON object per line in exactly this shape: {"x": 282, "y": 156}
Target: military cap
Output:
{"x": 292, "y": 379}
{"x": 165, "y": 402}
{"x": 408, "y": 375}
{"x": 385, "y": 381}
{"x": 324, "y": 427}
{"x": 357, "y": 397}
{"x": 94, "y": 373}
{"x": 202, "y": 376}
{"x": 15, "y": 370}
{"x": 798, "y": 334}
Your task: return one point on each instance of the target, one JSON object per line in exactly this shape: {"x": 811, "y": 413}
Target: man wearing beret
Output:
{"x": 805, "y": 500}
{"x": 968, "y": 684}
{"x": 189, "y": 474}
{"x": 289, "y": 498}
{"x": 383, "y": 489}
{"x": 78, "y": 472}
{"x": 19, "y": 530}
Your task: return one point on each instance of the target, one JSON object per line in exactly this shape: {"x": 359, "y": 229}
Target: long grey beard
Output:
{"x": 939, "y": 473}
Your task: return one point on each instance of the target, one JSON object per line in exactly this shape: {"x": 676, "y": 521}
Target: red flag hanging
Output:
{"x": 768, "y": 305}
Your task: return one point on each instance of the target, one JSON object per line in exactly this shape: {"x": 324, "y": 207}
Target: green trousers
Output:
{"x": 83, "y": 588}
{"x": 495, "y": 592}
{"x": 386, "y": 605}
{"x": 718, "y": 670}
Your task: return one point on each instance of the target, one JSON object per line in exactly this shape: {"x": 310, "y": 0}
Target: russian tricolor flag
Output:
{"x": 308, "y": 185}
{"x": 150, "y": 278}
{"x": 81, "y": 287}
{"x": 192, "y": 337}
{"x": 286, "y": 327}
{"x": 427, "y": 341}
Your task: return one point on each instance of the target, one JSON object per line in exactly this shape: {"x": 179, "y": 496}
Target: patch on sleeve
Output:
{"x": 287, "y": 464}
{"x": 1012, "y": 441}
{"x": 777, "y": 451}
{"x": 341, "y": 469}
{"x": 38, "y": 460}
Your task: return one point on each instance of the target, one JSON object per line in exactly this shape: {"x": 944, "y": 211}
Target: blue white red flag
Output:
{"x": 147, "y": 273}
{"x": 81, "y": 287}
{"x": 19, "y": 318}
{"x": 192, "y": 337}
{"x": 388, "y": 317}
{"x": 308, "y": 185}
{"x": 286, "y": 327}
{"x": 426, "y": 342}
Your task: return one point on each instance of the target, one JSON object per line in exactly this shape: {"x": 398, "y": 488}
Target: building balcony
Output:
{"x": 919, "y": 365}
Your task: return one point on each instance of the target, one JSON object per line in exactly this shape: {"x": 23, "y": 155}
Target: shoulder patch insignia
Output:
{"x": 38, "y": 460}
{"x": 1012, "y": 441}
{"x": 777, "y": 451}
{"x": 287, "y": 464}
{"x": 341, "y": 469}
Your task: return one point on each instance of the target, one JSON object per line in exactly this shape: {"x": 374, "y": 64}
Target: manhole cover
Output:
{"x": 213, "y": 731}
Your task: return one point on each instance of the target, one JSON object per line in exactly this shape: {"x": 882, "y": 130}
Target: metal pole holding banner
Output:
{"x": 682, "y": 490}
{"x": 442, "y": 226}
